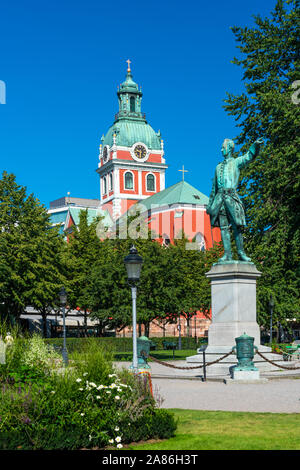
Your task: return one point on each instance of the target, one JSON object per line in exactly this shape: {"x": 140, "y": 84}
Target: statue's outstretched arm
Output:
{"x": 251, "y": 154}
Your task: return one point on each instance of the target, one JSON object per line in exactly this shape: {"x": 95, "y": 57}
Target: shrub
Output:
{"x": 121, "y": 344}
{"x": 37, "y": 354}
{"x": 29, "y": 360}
{"x": 94, "y": 359}
{"x": 85, "y": 405}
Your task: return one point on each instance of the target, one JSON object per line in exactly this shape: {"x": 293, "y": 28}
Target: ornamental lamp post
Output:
{"x": 133, "y": 263}
{"x": 271, "y": 305}
{"x": 63, "y": 302}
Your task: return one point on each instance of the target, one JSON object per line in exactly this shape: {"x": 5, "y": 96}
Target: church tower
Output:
{"x": 131, "y": 160}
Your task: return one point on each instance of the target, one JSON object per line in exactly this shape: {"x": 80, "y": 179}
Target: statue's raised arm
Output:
{"x": 250, "y": 155}
{"x": 225, "y": 207}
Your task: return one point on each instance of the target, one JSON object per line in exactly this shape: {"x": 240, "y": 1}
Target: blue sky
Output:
{"x": 62, "y": 61}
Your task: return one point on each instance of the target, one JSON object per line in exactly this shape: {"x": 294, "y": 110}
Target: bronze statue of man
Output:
{"x": 225, "y": 207}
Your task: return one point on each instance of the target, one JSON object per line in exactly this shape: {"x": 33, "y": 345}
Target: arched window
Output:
{"x": 111, "y": 182}
{"x": 166, "y": 240}
{"x": 150, "y": 182}
{"x": 132, "y": 104}
{"x": 128, "y": 180}
{"x": 104, "y": 185}
{"x": 199, "y": 239}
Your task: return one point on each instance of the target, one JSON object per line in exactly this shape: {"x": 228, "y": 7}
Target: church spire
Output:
{"x": 130, "y": 97}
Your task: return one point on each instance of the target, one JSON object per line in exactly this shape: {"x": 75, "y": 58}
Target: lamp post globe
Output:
{"x": 63, "y": 296}
{"x": 133, "y": 263}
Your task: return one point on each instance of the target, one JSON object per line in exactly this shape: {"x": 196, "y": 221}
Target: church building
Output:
{"x": 132, "y": 168}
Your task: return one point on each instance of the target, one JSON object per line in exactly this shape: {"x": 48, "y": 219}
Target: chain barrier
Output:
{"x": 218, "y": 360}
{"x": 189, "y": 368}
{"x": 274, "y": 364}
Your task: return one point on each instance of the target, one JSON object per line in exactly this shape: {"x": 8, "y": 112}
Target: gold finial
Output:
{"x": 128, "y": 62}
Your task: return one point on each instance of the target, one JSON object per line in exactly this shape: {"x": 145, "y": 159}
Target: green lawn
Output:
{"x": 162, "y": 355}
{"x": 223, "y": 430}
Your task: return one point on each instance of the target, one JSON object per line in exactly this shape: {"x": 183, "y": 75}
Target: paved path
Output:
{"x": 275, "y": 396}
{"x": 184, "y": 389}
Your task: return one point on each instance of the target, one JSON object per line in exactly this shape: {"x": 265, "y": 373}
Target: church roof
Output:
{"x": 91, "y": 215}
{"x": 179, "y": 193}
{"x": 60, "y": 217}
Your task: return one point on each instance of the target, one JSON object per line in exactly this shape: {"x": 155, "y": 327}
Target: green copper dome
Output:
{"x": 129, "y": 132}
{"x": 130, "y": 124}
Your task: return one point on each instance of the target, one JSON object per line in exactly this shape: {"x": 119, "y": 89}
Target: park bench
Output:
{"x": 169, "y": 345}
{"x": 293, "y": 352}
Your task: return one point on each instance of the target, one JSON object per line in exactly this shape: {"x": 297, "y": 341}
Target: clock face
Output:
{"x": 104, "y": 154}
{"x": 140, "y": 151}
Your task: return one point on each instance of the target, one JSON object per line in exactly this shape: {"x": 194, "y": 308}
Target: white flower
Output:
{"x": 98, "y": 397}
{"x": 85, "y": 373}
{"x": 9, "y": 339}
{"x": 52, "y": 391}
{"x": 80, "y": 389}
{"x": 78, "y": 380}
{"x": 111, "y": 441}
{"x": 90, "y": 437}
{"x": 117, "y": 428}
{"x": 119, "y": 446}
{"x": 92, "y": 384}
{"x": 113, "y": 386}
{"x": 117, "y": 397}
{"x": 119, "y": 389}
{"x": 100, "y": 387}
{"x": 81, "y": 414}
{"x": 118, "y": 439}
{"x": 112, "y": 375}
{"x": 108, "y": 391}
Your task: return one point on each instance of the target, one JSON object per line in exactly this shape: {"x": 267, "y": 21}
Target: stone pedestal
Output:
{"x": 233, "y": 297}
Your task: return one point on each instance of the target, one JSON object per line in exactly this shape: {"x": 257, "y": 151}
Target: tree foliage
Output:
{"x": 30, "y": 252}
{"x": 172, "y": 282}
{"x": 269, "y": 57}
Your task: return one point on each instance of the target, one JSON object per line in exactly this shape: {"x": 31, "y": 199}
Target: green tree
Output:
{"x": 270, "y": 185}
{"x": 110, "y": 294}
{"x": 172, "y": 283}
{"x": 108, "y": 291}
{"x": 190, "y": 287}
{"x": 30, "y": 252}
{"x": 82, "y": 252}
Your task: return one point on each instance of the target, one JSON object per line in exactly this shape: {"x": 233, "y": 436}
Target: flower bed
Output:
{"x": 86, "y": 405}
